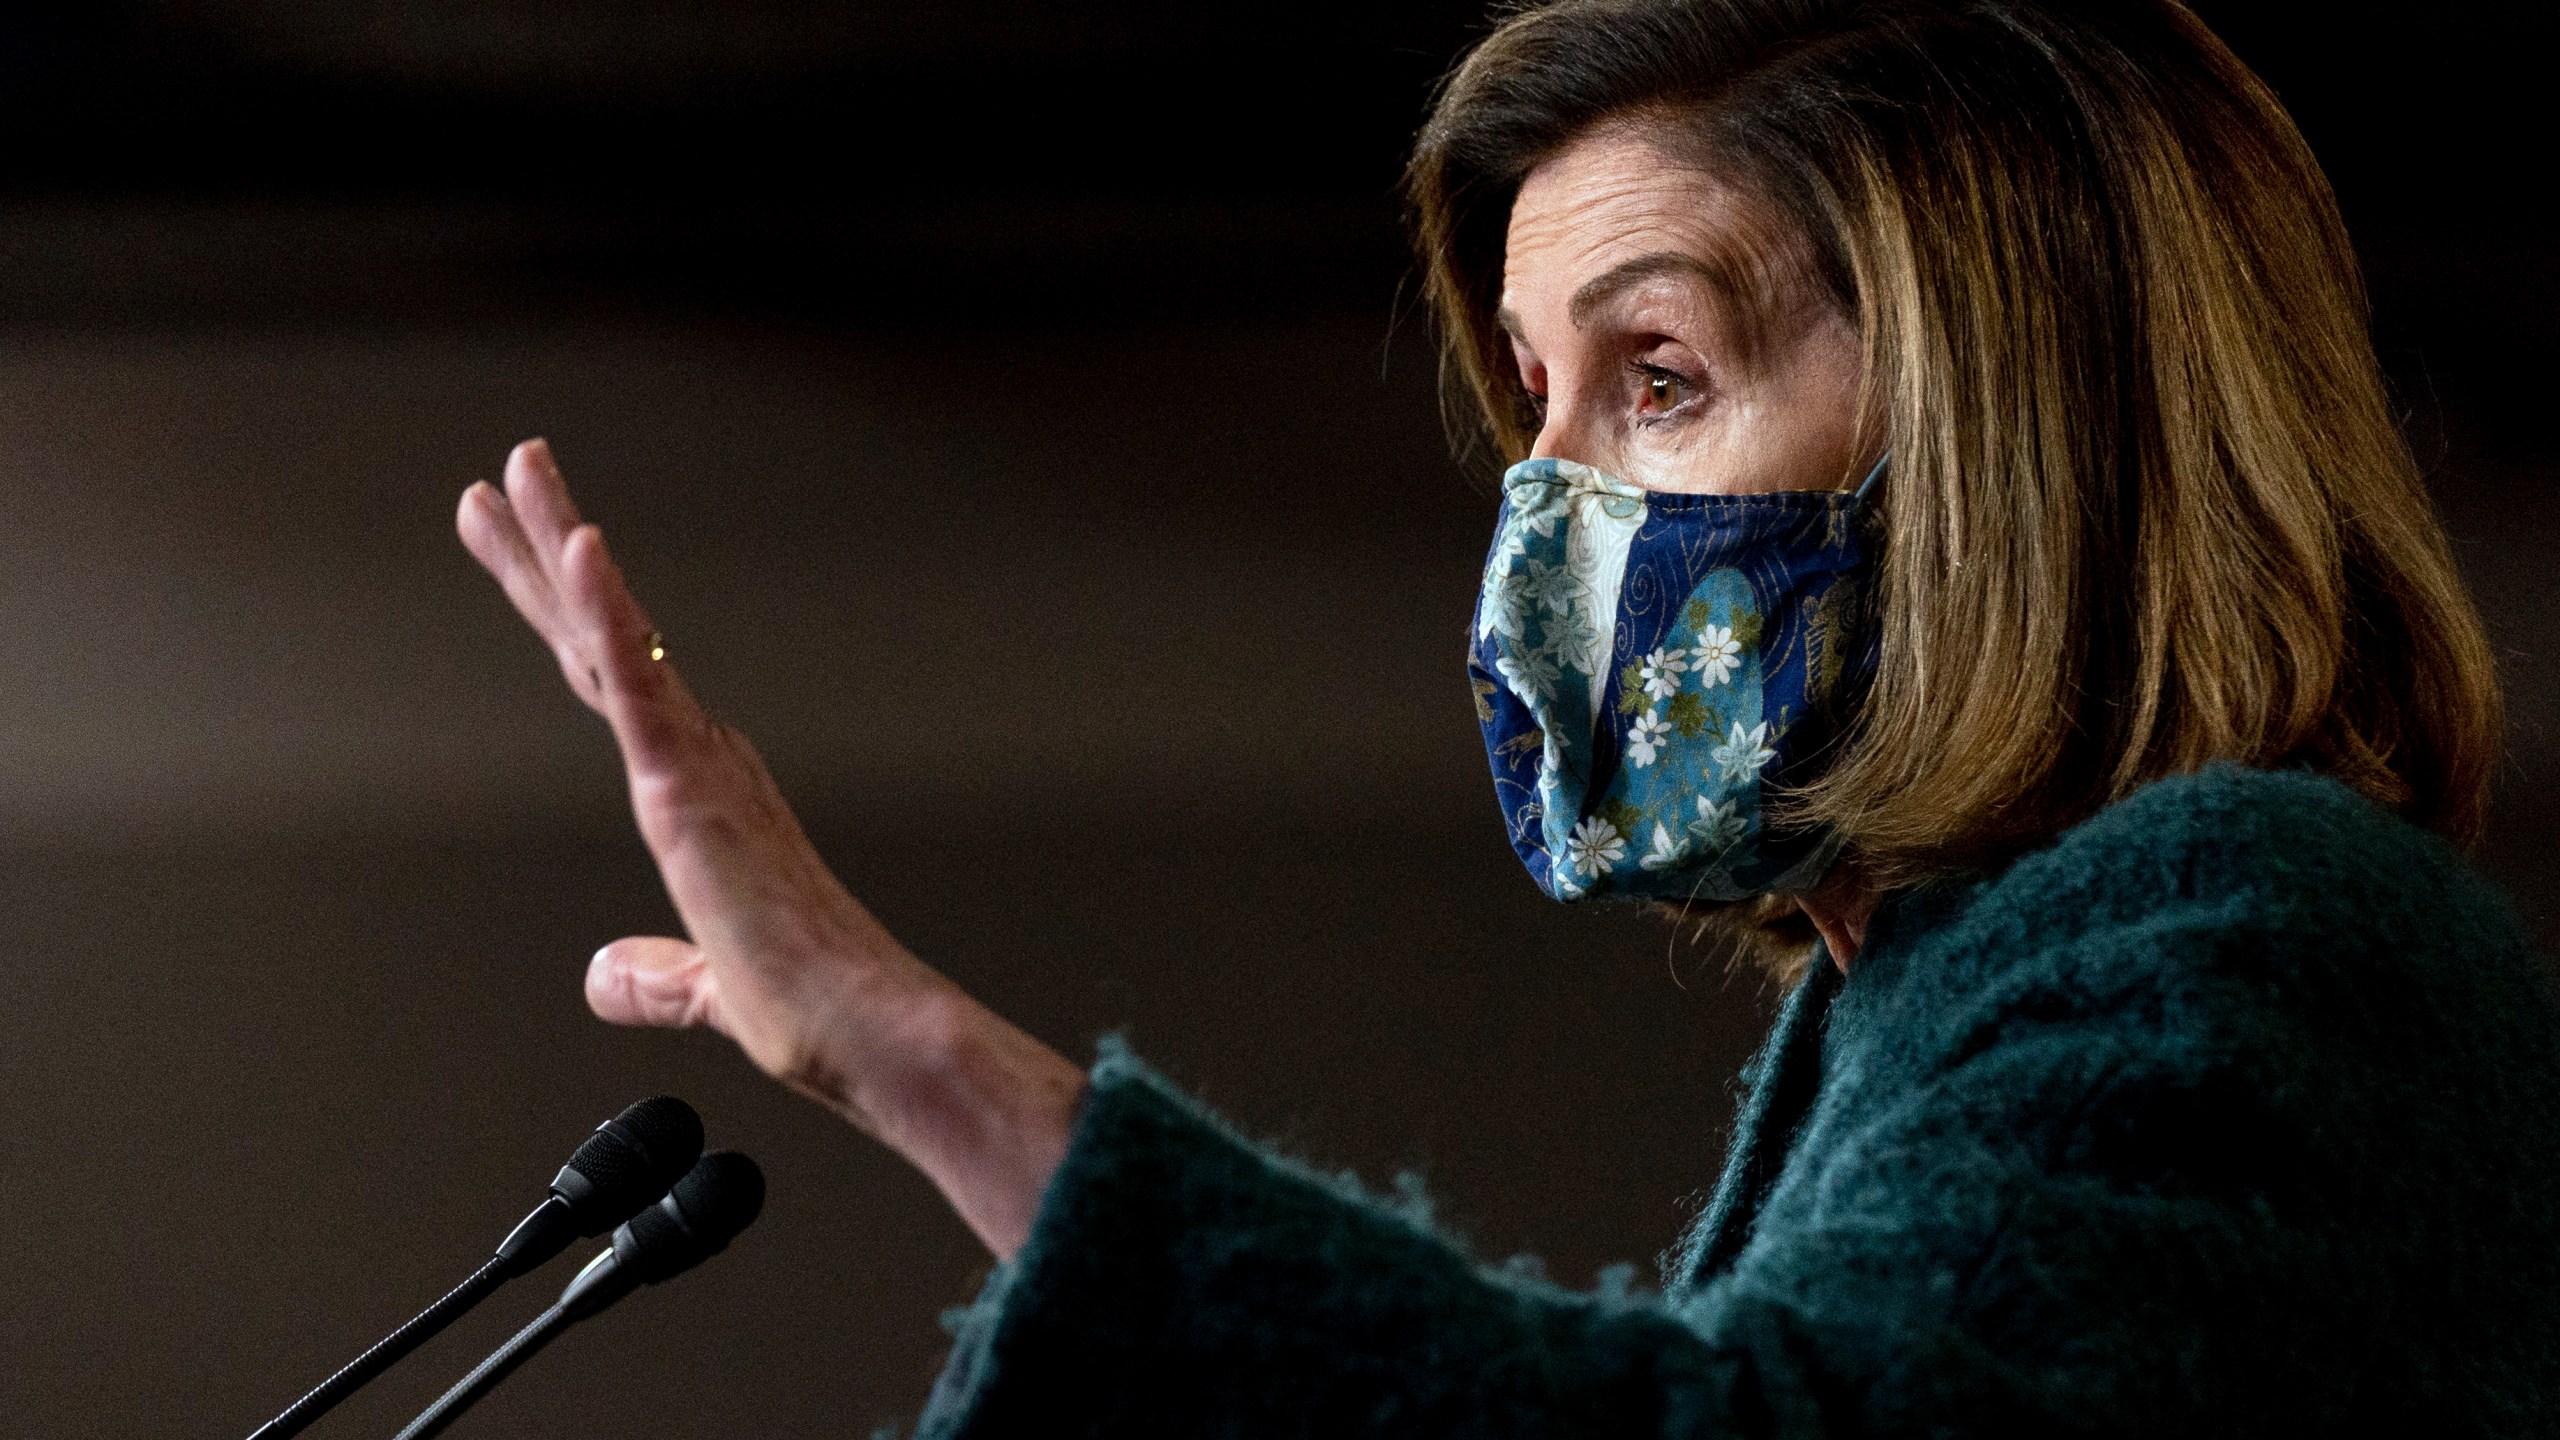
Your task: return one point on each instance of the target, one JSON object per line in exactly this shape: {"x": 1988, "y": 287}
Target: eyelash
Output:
{"x": 1652, "y": 375}
{"x": 1537, "y": 404}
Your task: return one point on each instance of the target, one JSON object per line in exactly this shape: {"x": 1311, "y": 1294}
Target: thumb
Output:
{"x": 650, "y": 980}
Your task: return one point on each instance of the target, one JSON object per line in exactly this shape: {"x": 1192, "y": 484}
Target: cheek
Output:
{"x": 1785, "y": 438}
{"x": 1815, "y": 405}
{"x": 1741, "y": 441}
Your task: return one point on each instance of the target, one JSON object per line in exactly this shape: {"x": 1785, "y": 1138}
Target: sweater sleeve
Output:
{"x": 1972, "y": 1260}
{"x": 1183, "y": 1281}
{"x": 1972, "y": 1257}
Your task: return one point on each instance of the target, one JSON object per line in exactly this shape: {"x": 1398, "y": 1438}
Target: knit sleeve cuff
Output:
{"x": 1181, "y": 1280}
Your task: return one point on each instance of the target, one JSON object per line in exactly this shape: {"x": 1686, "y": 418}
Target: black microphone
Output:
{"x": 628, "y": 1161}
{"x": 716, "y": 1199}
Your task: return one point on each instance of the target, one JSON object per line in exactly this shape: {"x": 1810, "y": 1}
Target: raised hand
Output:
{"x": 780, "y": 957}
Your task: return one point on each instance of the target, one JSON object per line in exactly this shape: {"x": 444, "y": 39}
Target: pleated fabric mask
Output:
{"x": 1648, "y": 667}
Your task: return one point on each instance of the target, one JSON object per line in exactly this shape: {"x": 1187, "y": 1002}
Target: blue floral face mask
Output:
{"x": 1649, "y": 666}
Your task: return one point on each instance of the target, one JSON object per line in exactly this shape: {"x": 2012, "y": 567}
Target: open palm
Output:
{"x": 778, "y": 956}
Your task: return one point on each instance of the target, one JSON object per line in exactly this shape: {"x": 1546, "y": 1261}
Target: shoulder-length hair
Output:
{"x": 2148, "y": 505}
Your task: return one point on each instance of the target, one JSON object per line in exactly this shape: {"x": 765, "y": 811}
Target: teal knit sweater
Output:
{"x": 2236, "y": 1111}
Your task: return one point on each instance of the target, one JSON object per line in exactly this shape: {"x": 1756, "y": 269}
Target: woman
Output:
{"x": 1958, "y": 536}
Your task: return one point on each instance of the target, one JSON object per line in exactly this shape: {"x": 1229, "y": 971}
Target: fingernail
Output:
{"x": 538, "y": 450}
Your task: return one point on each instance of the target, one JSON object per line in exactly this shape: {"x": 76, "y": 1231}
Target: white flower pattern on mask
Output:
{"x": 1532, "y": 673}
{"x": 1742, "y": 754}
{"x": 1646, "y": 738}
{"x": 1594, "y": 846}
{"x": 1572, "y": 635}
{"x": 1716, "y": 655}
{"x": 1664, "y": 854}
{"x": 1552, "y": 588}
{"x": 1718, "y": 827}
{"x": 1506, "y": 607}
{"x": 1661, "y": 671}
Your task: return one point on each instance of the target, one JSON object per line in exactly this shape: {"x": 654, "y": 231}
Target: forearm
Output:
{"x": 981, "y": 1108}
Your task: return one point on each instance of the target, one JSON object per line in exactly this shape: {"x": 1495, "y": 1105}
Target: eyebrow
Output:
{"x": 1609, "y": 284}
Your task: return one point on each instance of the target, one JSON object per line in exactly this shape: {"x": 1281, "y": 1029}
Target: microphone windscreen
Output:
{"x": 632, "y": 1158}
{"x": 720, "y": 1196}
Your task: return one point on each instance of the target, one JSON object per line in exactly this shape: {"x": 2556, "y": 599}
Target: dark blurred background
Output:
{"x": 1015, "y": 414}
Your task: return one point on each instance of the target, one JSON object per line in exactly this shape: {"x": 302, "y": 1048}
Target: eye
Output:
{"x": 1533, "y": 382}
{"x": 1661, "y": 391}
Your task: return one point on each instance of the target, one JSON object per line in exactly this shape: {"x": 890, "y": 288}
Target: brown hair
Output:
{"x": 2148, "y": 505}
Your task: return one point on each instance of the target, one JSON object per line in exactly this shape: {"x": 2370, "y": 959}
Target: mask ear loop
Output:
{"x": 1866, "y": 487}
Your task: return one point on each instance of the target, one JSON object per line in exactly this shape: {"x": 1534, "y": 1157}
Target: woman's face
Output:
{"x": 1651, "y": 350}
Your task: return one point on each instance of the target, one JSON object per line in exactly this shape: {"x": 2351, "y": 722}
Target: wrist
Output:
{"x": 981, "y": 1108}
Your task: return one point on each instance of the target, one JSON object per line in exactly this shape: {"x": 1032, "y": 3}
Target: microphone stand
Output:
{"x": 387, "y": 1351}
{"x": 485, "y": 1375}
{"x": 604, "y": 1280}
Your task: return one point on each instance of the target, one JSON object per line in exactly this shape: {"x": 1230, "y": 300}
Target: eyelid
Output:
{"x": 1646, "y": 370}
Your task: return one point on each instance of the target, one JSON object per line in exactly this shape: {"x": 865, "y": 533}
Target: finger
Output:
{"x": 541, "y": 498}
{"x": 720, "y": 864}
{"x": 678, "y": 759}
{"x": 651, "y": 710}
{"x": 651, "y": 980}
{"x": 495, "y": 537}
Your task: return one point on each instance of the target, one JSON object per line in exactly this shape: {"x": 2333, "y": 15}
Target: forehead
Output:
{"x": 1614, "y": 196}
